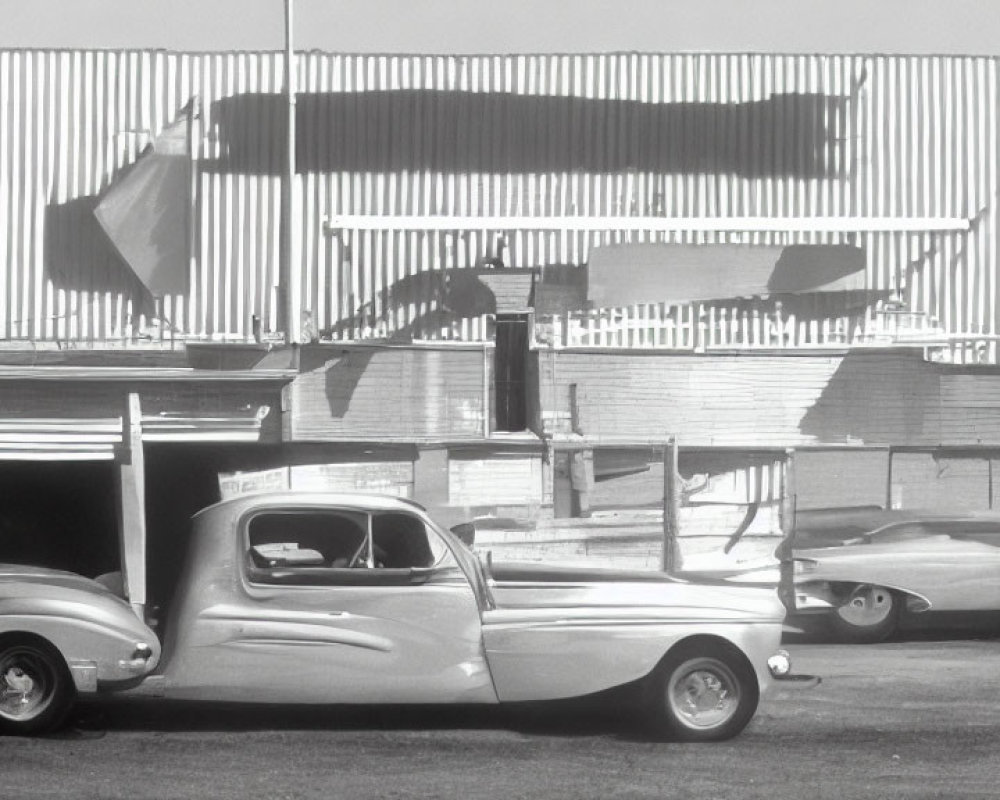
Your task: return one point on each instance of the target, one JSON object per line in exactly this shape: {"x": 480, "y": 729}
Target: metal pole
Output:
{"x": 286, "y": 312}
{"x": 671, "y": 506}
{"x": 132, "y": 505}
{"x": 888, "y": 483}
{"x": 786, "y": 585}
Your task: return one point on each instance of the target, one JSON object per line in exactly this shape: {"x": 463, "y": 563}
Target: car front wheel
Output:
{"x": 701, "y": 692}
{"x": 868, "y": 614}
{"x": 35, "y": 690}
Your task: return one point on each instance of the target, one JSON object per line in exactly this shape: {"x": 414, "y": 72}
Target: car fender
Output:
{"x": 826, "y": 593}
{"x": 100, "y": 644}
{"x": 532, "y": 657}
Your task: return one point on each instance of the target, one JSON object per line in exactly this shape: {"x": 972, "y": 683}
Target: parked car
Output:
{"x": 866, "y": 570}
{"x": 309, "y": 598}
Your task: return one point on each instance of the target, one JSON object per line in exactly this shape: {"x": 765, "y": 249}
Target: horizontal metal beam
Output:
{"x": 61, "y": 454}
{"x": 375, "y": 222}
{"x": 144, "y": 374}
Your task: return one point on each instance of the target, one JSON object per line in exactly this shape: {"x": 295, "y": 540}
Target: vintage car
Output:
{"x": 865, "y": 568}
{"x": 320, "y": 598}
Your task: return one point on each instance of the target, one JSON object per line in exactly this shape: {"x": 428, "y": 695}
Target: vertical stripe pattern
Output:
{"x": 611, "y": 134}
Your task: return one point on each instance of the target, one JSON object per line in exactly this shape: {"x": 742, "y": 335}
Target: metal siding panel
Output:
{"x": 506, "y": 480}
{"x": 927, "y": 480}
{"x": 6, "y": 191}
{"x": 926, "y": 143}
{"x": 840, "y": 478}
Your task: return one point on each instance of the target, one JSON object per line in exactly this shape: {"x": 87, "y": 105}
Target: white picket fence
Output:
{"x": 700, "y": 327}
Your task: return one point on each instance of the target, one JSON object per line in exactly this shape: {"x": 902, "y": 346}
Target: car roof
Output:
{"x": 370, "y": 501}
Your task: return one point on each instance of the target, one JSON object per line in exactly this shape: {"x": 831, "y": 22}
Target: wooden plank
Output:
{"x": 671, "y": 506}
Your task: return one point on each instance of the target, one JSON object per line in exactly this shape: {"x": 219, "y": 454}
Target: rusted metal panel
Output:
{"x": 624, "y": 135}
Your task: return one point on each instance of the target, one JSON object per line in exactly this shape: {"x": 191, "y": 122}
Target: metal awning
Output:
{"x": 185, "y": 428}
{"x": 75, "y": 439}
{"x": 60, "y": 439}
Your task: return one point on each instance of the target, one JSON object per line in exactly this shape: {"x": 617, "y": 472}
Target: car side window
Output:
{"x": 298, "y": 539}
{"x": 332, "y": 547}
{"x": 402, "y": 541}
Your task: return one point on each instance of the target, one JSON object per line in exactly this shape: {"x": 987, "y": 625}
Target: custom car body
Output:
{"x": 62, "y": 634}
{"x": 868, "y": 571}
{"x": 319, "y": 598}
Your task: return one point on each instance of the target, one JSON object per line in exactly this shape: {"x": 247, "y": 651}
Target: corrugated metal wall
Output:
{"x": 625, "y": 134}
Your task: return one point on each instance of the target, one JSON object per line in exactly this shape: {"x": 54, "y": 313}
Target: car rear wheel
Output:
{"x": 868, "y": 614}
{"x": 701, "y": 692}
{"x": 36, "y": 691}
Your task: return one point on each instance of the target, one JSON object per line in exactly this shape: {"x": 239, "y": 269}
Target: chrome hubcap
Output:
{"x": 703, "y": 693}
{"x": 867, "y": 605}
{"x": 26, "y": 684}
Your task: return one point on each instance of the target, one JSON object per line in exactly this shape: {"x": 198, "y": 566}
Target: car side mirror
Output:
{"x": 466, "y": 533}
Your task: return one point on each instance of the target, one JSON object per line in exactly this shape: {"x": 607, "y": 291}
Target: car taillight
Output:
{"x": 803, "y": 566}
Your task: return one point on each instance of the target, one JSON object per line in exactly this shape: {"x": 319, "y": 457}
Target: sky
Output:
{"x": 511, "y": 26}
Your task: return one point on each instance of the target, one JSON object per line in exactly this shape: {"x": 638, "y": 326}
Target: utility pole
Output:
{"x": 287, "y": 312}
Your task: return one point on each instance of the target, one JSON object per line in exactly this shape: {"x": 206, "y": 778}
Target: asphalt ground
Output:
{"x": 907, "y": 719}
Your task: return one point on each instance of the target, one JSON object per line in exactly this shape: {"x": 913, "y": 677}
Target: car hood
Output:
{"x": 615, "y": 592}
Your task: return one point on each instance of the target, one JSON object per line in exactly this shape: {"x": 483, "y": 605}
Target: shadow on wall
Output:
{"x": 878, "y": 399}
{"x": 809, "y": 267}
{"x": 444, "y": 295}
{"x": 79, "y": 256}
{"x": 788, "y": 135}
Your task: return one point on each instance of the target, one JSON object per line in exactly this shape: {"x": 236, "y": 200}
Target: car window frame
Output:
{"x": 320, "y": 577}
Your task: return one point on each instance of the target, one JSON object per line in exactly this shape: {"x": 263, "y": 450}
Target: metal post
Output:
{"x": 888, "y": 483}
{"x": 671, "y": 506}
{"x": 788, "y": 496}
{"x": 287, "y": 297}
{"x": 193, "y": 179}
{"x": 786, "y": 586}
{"x": 132, "y": 506}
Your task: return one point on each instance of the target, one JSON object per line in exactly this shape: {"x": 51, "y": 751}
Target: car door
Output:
{"x": 341, "y": 605}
